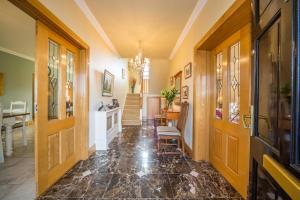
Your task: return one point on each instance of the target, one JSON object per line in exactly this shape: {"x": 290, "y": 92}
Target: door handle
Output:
{"x": 247, "y": 125}
{"x": 266, "y": 119}
{"x": 251, "y": 125}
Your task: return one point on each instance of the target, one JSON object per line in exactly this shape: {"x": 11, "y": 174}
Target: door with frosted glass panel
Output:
{"x": 230, "y": 101}
{"x": 57, "y": 143}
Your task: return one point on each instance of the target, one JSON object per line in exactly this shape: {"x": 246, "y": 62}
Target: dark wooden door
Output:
{"x": 274, "y": 130}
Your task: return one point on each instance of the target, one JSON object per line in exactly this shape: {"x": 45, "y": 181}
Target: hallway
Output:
{"x": 131, "y": 169}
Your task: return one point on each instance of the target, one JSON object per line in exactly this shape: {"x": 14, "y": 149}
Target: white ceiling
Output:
{"x": 17, "y": 30}
{"x": 157, "y": 23}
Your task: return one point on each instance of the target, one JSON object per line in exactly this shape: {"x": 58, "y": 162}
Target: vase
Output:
{"x": 170, "y": 107}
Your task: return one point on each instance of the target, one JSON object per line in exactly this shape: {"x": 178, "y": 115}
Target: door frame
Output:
{"x": 41, "y": 14}
{"x": 234, "y": 19}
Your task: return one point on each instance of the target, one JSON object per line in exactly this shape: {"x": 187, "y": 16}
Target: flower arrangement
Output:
{"x": 169, "y": 95}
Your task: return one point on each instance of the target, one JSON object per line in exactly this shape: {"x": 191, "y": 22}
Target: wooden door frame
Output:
{"x": 234, "y": 19}
{"x": 237, "y": 16}
{"x": 41, "y": 14}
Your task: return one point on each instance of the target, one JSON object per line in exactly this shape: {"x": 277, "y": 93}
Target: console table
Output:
{"x": 107, "y": 125}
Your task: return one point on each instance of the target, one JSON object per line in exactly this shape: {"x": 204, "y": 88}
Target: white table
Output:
{"x": 9, "y": 120}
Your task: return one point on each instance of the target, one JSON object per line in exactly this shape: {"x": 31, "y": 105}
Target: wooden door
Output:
{"x": 153, "y": 107}
{"x": 275, "y": 138}
{"x": 229, "y": 147}
{"x": 57, "y": 146}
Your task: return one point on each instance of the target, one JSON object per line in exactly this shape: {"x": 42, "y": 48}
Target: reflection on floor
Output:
{"x": 132, "y": 169}
{"x": 17, "y": 172}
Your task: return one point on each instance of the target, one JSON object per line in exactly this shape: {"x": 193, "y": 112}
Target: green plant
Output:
{"x": 169, "y": 95}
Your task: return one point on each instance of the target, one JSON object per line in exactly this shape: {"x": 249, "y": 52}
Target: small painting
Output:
{"x": 108, "y": 84}
{"x": 171, "y": 81}
{"x": 185, "y": 92}
{"x": 188, "y": 70}
{"x": 123, "y": 73}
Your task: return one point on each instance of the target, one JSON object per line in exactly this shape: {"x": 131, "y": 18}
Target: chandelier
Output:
{"x": 139, "y": 62}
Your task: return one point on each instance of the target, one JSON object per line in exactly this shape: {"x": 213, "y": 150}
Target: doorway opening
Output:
{"x": 59, "y": 90}
{"x": 17, "y": 68}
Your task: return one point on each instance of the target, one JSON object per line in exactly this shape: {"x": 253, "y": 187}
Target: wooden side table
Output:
{"x": 172, "y": 116}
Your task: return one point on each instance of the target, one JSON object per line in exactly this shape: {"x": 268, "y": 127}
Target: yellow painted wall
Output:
{"x": 207, "y": 17}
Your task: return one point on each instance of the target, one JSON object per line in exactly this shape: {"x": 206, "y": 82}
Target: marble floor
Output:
{"x": 131, "y": 169}
{"x": 17, "y": 172}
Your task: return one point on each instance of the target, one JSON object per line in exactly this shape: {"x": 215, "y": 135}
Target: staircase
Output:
{"x": 131, "y": 113}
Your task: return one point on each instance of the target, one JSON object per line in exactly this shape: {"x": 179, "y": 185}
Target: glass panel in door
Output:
{"x": 53, "y": 79}
{"x": 234, "y": 83}
{"x": 70, "y": 84}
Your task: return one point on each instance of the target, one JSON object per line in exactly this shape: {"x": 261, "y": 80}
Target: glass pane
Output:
{"x": 70, "y": 84}
{"x": 234, "y": 78}
{"x": 219, "y": 86}
{"x": 275, "y": 93}
{"x": 53, "y": 74}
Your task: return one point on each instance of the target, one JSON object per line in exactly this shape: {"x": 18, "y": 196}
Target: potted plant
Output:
{"x": 169, "y": 95}
{"x": 133, "y": 82}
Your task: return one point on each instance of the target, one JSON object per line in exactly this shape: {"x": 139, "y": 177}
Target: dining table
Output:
{"x": 9, "y": 120}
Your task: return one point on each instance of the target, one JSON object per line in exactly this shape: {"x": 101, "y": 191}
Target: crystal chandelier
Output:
{"x": 139, "y": 62}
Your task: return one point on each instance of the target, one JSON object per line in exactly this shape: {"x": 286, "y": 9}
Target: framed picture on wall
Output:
{"x": 177, "y": 85}
{"x": 171, "y": 81}
{"x": 188, "y": 70}
{"x": 123, "y": 73}
{"x": 108, "y": 84}
{"x": 185, "y": 92}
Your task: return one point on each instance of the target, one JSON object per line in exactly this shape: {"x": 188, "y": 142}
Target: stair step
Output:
{"x": 131, "y": 116}
{"x": 131, "y": 122}
{"x": 133, "y": 95}
{"x": 135, "y": 107}
{"x": 132, "y": 100}
{"x": 128, "y": 109}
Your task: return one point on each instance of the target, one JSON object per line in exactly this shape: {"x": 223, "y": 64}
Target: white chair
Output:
{"x": 20, "y": 107}
{"x": 1, "y": 144}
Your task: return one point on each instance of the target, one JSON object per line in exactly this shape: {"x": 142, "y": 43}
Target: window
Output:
{"x": 146, "y": 76}
{"x": 234, "y": 83}
{"x": 219, "y": 86}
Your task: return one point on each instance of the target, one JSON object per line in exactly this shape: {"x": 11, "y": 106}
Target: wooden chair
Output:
{"x": 161, "y": 117}
{"x": 167, "y": 133}
{"x": 1, "y": 144}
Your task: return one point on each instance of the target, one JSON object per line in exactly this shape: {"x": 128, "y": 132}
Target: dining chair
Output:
{"x": 171, "y": 133}
{"x": 20, "y": 107}
{"x": 1, "y": 144}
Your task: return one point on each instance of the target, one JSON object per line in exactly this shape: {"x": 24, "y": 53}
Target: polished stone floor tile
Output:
{"x": 131, "y": 169}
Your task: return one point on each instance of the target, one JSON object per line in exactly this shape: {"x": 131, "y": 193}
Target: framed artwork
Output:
{"x": 171, "y": 81}
{"x": 185, "y": 92}
{"x": 108, "y": 84}
{"x": 188, "y": 70}
{"x": 123, "y": 73}
{"x": 177, "y": 83}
